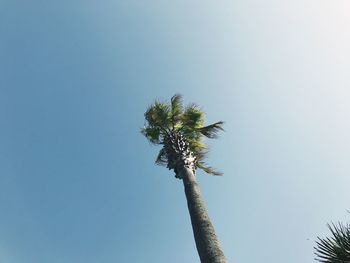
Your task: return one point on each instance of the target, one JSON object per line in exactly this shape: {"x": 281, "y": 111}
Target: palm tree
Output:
{"x": 335, "y": 249}
{"x": 180, "y": 131}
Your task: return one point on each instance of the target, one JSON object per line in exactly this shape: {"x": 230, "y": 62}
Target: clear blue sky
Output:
{"x": 78, "y": 182}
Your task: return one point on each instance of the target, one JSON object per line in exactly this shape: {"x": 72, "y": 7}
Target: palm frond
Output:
{"x": 153, "y": 134}
{"x": 211, "y": 131}
{"x": 162, "y": 158}
{"x": 208, "y": 169}
{"x": 158, "y": 115}
{"x": 334, "y": 249}
{"x": 192, "y": 118}
{"x": 176, "y": 109}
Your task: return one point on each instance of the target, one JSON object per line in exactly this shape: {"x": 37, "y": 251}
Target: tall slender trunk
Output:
{"x": 204, "y": 234}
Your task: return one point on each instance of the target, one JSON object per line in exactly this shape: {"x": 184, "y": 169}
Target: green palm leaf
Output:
{"x": 176, "y": 110}
{"x": 208, "y": 169}
{"x": 192, "y": 117}
{"x": 334, "y": 249}
{"x": 162, "y": 158}
{"x": 211, "y": 131}
{"x": 153, "y": 134}
{"x": 158, "y": 115}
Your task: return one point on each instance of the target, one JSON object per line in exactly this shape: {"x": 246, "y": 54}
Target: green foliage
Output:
{"x": 158, "y": 115}
{"x": 162, "y": 158}
{"x": 334, "y": 249}
{"x": 211, "y": 131}
{"x": 176, "y": 109}
{"x": 208, "y": 169}
{"x": 152, "y": 134}
{"x": 192, "y": 118}
{"x": 163, "y": 119}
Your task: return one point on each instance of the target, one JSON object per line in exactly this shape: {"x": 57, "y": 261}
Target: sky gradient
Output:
{"x": 77, "y": 179}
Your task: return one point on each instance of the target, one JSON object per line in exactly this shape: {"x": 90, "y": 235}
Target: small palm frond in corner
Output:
{"x": 334, "y": 249}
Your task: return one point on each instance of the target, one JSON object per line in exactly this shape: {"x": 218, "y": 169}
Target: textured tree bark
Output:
{"x": 207, "y": 244}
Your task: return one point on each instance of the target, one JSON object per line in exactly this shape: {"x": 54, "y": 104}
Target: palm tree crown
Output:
{"x": 180, "y": 130}
{"x": 335, "y": 249}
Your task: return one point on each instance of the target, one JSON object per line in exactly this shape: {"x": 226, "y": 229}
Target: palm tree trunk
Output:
{"x": 204, "y": 234}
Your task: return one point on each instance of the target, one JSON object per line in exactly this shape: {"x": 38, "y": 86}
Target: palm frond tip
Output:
{"x": 211, "y": 131}
{"x": 208, "y": 169}
{"x": 334, "y": 249}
